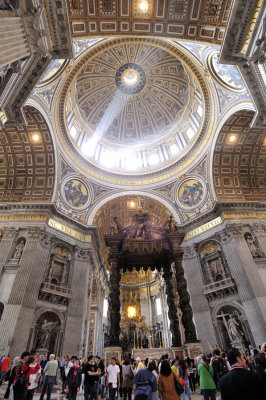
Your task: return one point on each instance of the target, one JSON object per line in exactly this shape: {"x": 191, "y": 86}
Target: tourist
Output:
{"x": 239, "y": 383}
{"x": 139, "y": 364}
{"x": 260, "y": 368}
{"x": 90, "y": 381}
{"x": 99, "y": 364}
{"x": 145, "y": 382}
{"x": 175, "y": 365}
{"x": 50, "y": 372}
{"x": 4, "y": 368}
{"x": 20, "y": 380}
{"x": 184, "y": 373}
{"x": 43, "y": 363}
{"x": 73, "y": 380}
{"x": 34, "y": 375}
{"x": 113, "y": 378}
{"x": 83, "y": 364}
{"x": 166, "y": 382}
{"x": 12, "y": 372}
{"x": 206, "y": 379}
{"x": 128, "y": 376}
{"x": 192, "y": 374}
{"x": 219, "y": 367}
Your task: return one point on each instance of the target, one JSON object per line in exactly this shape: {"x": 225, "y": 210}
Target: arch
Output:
{"x": 99, "y": 204}
{"x": 238, "y": 163}
{"x": 27, "y": 161}
{"x": 235, "y": 108}
{"x": 52, "y": 310}
{"x": 235, "y": 304}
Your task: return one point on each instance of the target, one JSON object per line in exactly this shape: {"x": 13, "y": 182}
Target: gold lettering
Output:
{"x": 68, "y": 231}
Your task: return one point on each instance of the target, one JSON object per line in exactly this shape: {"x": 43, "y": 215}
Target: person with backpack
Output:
{"x": 4, "y": 368}
{"x": 145, "y": 382}
{"x": 22, "y": 378}
{"x": 206, "y": 379}
{"x": 219, "y": 367}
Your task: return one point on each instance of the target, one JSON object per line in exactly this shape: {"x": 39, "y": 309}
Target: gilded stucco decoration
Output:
{"x": 174, "y": 101}
{"x": 239, "y": 160}
{"x": 186, "y": 19}
{"x": 27, "y": 161}
{"x": 227, "y": 76}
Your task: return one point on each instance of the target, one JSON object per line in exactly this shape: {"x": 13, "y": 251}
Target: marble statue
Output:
{"x": 253, "y": 247}
{"x": 234, "y": 329}
{"x": 19, "y": 250}
{"x": 43, "y": 335}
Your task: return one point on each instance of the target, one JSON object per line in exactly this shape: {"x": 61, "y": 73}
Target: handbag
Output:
{"x": 178, "y": 387}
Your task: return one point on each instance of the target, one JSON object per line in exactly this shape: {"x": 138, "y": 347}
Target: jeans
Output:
{"x": 90, "y": 391}
{"x": 102, "y": 391}
{"x": 2, "y": 376}
{"x": 208, "y": 394}
{"x": 112, "y": 391}
{"x": 186, "y": 392}
{"x": 48, "y": 384}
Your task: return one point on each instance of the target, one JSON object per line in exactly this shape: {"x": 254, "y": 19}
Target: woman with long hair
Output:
{"x": 128, "y": 376}
{"x": 166, "y": 382}
{"x": 206, "y": 375}
{"x": 184, "y": 373}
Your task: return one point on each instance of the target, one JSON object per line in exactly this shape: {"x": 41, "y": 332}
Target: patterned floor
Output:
{"x": 56, "y": 394}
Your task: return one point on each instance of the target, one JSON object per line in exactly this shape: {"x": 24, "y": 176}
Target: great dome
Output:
{"x": 140, "y": 94}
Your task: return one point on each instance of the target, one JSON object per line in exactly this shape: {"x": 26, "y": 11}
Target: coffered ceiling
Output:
{"x": 185, "y": 19}
{"x": 27, "y": 163}
{"x": 239, "y": 160}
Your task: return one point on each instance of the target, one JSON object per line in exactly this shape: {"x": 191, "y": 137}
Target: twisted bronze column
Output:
{"x": 172, "y": 312}
{"x": 114, "y": 302}
{"x": 184, "y": 300}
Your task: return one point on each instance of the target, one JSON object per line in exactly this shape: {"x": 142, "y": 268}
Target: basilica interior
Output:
{"x": 132, "y": 176}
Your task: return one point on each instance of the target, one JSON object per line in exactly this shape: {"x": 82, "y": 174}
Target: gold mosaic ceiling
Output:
{"x": 239, "y": 160}
{"x": 27, "y": 163}
{"x": 189, "y": 19}
{"x": 139, "y": 113}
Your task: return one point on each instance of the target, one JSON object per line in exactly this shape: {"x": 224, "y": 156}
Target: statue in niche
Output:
{"x": 216, "y": 269}
{"x": 43, "y": 335}
{"x": 234, "y": 329}
{"x": 19, "y": 250}
{"x": 59, "y": 265}
{"x": 253, "y": 245}
{"x": 171, "y": 225}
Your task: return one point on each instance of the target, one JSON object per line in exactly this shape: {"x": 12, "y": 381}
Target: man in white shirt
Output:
{"x": 113, "y": 378}
{"x": 33, "y": 378}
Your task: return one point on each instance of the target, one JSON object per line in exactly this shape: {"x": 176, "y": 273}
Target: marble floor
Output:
{"x": 56, "y": 394}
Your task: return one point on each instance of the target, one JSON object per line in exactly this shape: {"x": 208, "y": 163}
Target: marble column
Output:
{"x": 184, "y": 300}
{"x": 250, "y": 287}
{"x": 19, "y": 311}
{"x": 172, "y": 312}
{"x": 77, "y": 309}
{"x": 114, "y": 301}
{"x": 199, "y": 302}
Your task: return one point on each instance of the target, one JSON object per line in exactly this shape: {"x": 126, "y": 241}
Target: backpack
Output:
{"x": 20, "y": 382}
{"x": 222, "y": 367}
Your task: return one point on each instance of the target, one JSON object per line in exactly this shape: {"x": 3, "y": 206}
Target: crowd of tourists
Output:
{"x": 234, "y": 375}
